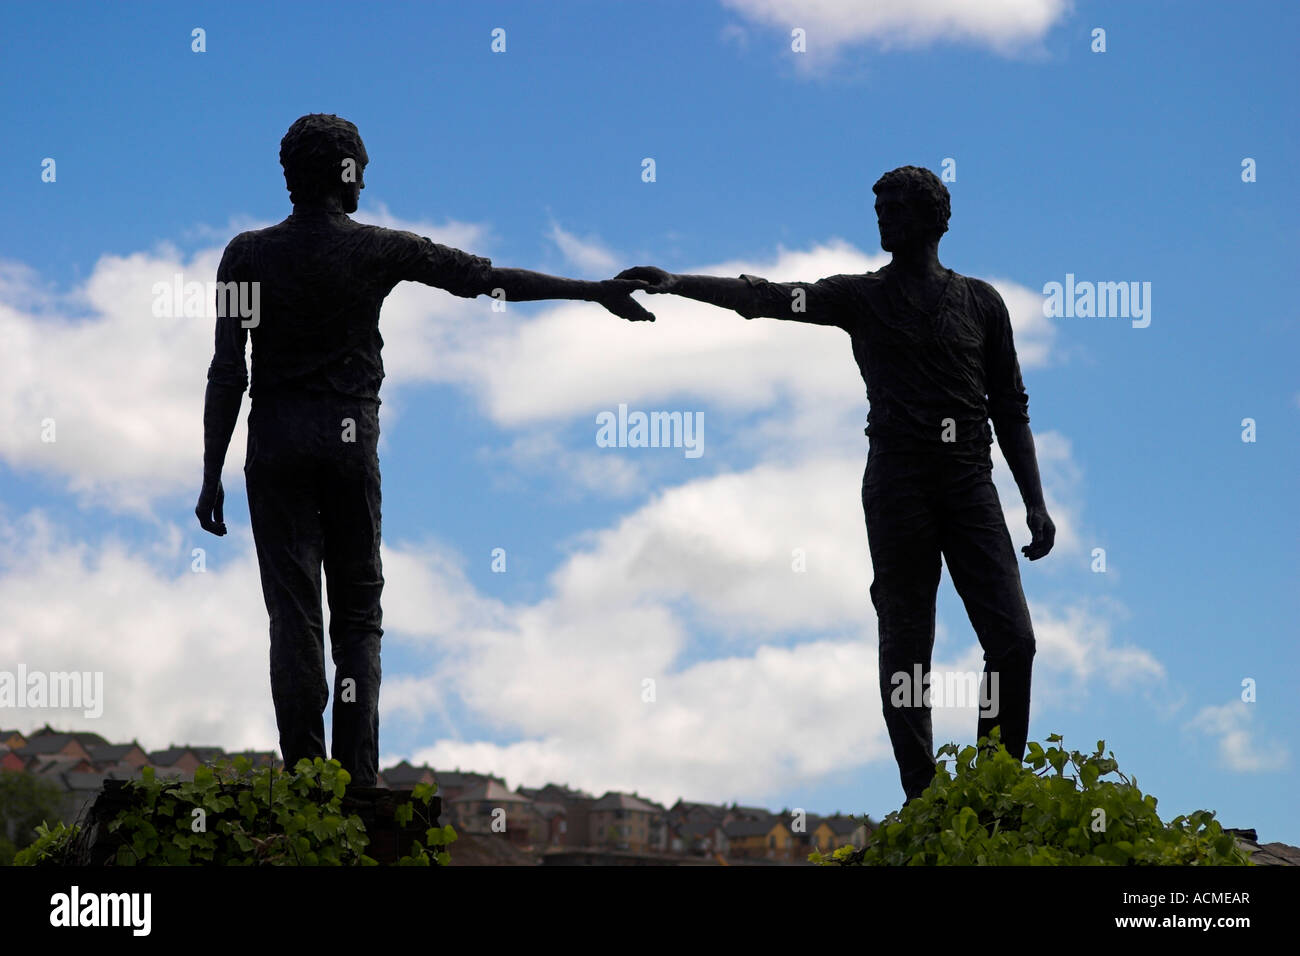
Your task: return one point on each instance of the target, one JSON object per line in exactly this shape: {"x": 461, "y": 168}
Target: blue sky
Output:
{"x": 625, "y": 564}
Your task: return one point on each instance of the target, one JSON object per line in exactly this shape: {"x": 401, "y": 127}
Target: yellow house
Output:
{"x": 822, "y": 837}
{"x": 760, "y": 839}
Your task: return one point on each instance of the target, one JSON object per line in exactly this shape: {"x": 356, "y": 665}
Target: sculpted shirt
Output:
{"x": 322, "y": 279}
{"x": 957, "y": 362}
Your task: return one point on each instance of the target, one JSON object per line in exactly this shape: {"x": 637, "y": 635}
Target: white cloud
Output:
{"x": 184, "y": 654}
{"x": 1231, "y": 728}
{"x": 1001, "y": 25}
{"x": 727, "y": 544}
{"x": 1075, "y": 642}
{"x": 472, "y": 237}
{"x": 589, "y": 255}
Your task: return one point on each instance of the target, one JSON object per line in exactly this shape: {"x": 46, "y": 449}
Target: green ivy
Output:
{"x": 434, "y": 850}
{"x": 50, "y": 846}
{"x": 233, "y": 815}
{"x": 994, "y": 810}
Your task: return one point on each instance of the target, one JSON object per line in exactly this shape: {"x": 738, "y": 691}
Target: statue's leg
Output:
{"x": 982, "y": 561}
{"x": 902, "y": 531}
{"x": 282, "y": 506}
{"x": 354, "y": 581}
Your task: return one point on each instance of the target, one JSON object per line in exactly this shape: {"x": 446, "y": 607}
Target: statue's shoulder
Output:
{"x": 986, "y": 301}
{"x": 385, "y": 237}
{"x": 239, "y": 249}
{"x": 860, "y": 284}
{"x": 853, "y": 280}
{"x": 983, "y": 292}
{"x": 250, "y": 237}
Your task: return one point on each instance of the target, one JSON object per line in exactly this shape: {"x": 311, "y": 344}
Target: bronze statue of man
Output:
{"x": 936, "y": 353}
{"x": 312, "y": 468}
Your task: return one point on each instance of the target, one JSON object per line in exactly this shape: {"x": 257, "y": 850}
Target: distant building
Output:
{"x": 107, "y": 756}
{"x": 848, "y": 831}
{"x": 403, "y": 776}
{"x": 624, "y": 821}
{"x": 186, "y": 759}
{"x": 575, "y": 827}
{"x": 54, "y": 744}
{"x": 697, "y": 839}
{"x": 550, "y": 824}
{"x": 454, "y": 783}
{"x": 493, "y": 808}
{"x": 759, "y": 839}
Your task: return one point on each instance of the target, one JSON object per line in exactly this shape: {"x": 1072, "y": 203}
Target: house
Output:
{"x": 738, "y": 812}
{"x": 492, "y": 807}
{"x": 759, "y": 839}
{"x": 111, "y": 755}
{"x": 83, "y": 737}
{"x": 403, "y": 776}
{"x": 54, "y": 744}
{"x": 186, "y": 759}
{"x": 849, "y": 831}
{"x": 454, "y": 783}
{"x": 821, "y": 835}
{"x": 681, "y": 811}
{"x": 808, "y": 832}
{"x": 550, "y": 823}
{"x": 51, "y": 765}
{"x": 577, "y": 810}
{"x": 12, "y": 739}
{"x": 697, "y": 839}
{"x": 624, "y": 821}
{"x": 9, "y": 760}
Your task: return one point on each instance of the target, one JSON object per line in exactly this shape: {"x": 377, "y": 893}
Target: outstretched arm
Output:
{"x": 521, "y": 285}
{"x": 404, "y": 255}
{"x": 752, "y": 297}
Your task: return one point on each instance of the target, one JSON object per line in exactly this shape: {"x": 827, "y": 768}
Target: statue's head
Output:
{"x": 912, "y": 207}
{"x": 313, "y": 153}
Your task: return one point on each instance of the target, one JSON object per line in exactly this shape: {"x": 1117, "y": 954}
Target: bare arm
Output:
{"x": 220, "y": 412}
{"x": 1017, "y": 444}
{"x": 227, "y": 380}
{"x": 1009, "y": 409}
{"x": 751, "y": 296}
{"x": 521, "y": 285}
{"x": 406, "y": 256}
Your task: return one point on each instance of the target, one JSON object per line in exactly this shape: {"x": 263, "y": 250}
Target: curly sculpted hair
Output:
{"x": 312, "y": 153}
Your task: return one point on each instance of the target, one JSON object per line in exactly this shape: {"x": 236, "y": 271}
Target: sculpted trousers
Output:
{"x": 919, "y": 506}
{"x": 313, "y": 497}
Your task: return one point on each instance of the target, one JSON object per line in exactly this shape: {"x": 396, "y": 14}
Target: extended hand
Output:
{"x": 209, "y": 508}
{"x": 1044, "y": 533}
{"x": 657, "y": 281}
{"x": 616, "y": 296}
